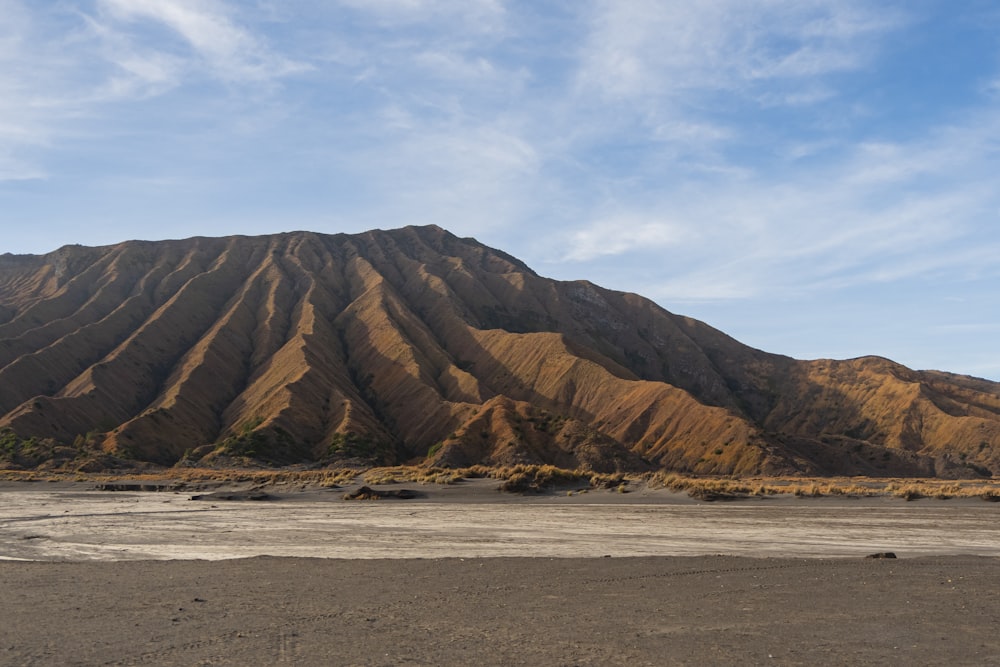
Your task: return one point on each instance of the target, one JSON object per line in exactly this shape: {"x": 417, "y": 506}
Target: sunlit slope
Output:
{"x": 394, "y": 346}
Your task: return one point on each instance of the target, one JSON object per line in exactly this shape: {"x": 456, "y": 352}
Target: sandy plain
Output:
{"x": 128, "y": 578}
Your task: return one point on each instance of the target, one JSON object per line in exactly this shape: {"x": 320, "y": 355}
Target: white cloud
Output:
{"x": 14, "y": 169}
{"x": 688, "y": 81}
{"x": 60, "y": 66}
{"x": 646, "y": 47}
{"x": 426, "y": 50}
{"x": 690, "y": 131}
{"x": 885, "y": 213}
{"x": 819, "y": 210}
{"x": 477, "y": 16}
{"x": 623, "y": 233}
{"x": 806, "y": 94}
{"x": 23, "y": 107}
{"x": 231, "y": 52}
{"x": 138, "y": 71}
{"x": 455, "y": 66}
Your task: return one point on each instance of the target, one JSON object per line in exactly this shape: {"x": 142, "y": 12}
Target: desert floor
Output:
{"x": 124, "y": 578}
{"x": 709, "y": 610}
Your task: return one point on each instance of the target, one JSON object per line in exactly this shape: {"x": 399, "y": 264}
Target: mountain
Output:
{"x": 414, "y": 344}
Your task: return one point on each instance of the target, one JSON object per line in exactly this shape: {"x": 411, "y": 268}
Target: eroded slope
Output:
{"x": 393, "y": 346}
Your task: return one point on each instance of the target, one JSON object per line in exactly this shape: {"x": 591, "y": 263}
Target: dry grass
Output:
{"x": 853, "y": 487}
{"x": 535, "y": 478}
{"x": 183, "y": 477}
{"x": 708, "y": 487}
{"x": 400, "y": 474}
{"x": 531, "y": 477}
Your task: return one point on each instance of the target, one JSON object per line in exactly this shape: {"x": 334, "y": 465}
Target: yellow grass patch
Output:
{"x": 520, "y": 478}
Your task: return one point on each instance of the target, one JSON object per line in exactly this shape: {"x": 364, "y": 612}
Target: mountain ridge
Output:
{"x": 415, "y": 344}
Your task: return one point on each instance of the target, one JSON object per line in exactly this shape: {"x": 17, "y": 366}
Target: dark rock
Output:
{"x": 882, "y": 554}
{"x": 368, "y": 493}
{"x": 712, "y": 496}
{"x": 128, "y": 486}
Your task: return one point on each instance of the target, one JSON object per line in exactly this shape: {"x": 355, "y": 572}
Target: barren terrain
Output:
{"x": 599, "y": 578}
{"x": 73, "y": 522}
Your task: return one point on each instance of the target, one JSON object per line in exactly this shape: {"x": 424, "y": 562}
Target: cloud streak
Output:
{"x": 231, "y": 53}
{"x": 829, "y": 227}
{"x": 735, "y": 218}
{"x": 64, "y": 64}
{"x": 643, "y": 48}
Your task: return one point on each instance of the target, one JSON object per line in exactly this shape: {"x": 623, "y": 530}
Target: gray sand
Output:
{"x": 512, "y": 611}
{"x": 389, "y": 598}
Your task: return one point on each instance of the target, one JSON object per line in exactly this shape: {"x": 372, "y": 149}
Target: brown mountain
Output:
{"x": 400, "y": 345}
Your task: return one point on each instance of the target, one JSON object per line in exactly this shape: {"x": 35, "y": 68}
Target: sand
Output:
{"x": 109, "y": 604}
{"x": 514, "y": 611}
{"x": 56, "y": 522}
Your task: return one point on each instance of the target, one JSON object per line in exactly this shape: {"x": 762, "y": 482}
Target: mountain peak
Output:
{"x": 413, "y": 343}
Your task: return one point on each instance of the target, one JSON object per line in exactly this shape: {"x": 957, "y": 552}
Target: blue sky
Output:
{"x": 818, "y": 178}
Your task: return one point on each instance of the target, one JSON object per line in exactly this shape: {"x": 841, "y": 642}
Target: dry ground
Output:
{"x": 533, "y": 479}
{"x": 521, "y": 611}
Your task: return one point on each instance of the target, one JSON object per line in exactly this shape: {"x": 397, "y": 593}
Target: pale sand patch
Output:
{"x": 40, "y": 522}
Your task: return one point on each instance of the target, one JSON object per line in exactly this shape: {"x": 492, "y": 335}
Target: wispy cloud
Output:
{"x": 230, "y": 52}
{"x": 643, "y": 47}
{"x": 61, "y": 63}
{"x": 624, "y": 233}
{"x": 24, "y": 104}
{"x": 654, "y": 66}
{"x": 473, "y": 16}
{"x": 732, "y": 216}
{"x": 881, "y": 214}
